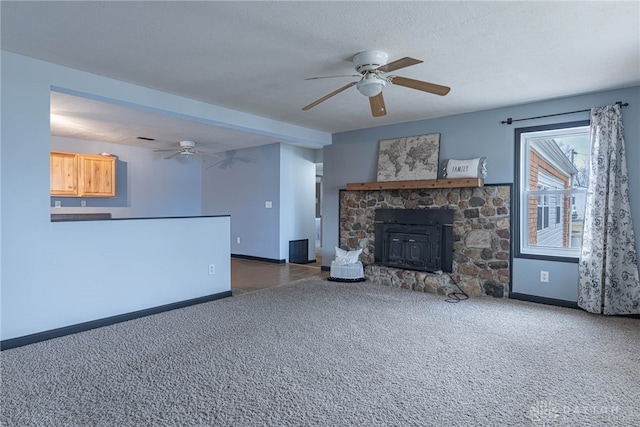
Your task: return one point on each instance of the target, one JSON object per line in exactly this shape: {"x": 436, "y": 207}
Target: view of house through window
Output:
{"x": 552, "y": 172}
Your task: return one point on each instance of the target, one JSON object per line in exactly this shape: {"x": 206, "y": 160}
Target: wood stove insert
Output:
{"x": 414, "y": 239}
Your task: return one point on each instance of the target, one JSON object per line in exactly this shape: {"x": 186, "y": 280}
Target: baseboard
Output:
{"x": 257, "y": 258}
{"x": 543, "y": 300}
{"x": 93, "y": 324}
{"x": 311, "y": 261}
{"x": 559, "y": 303}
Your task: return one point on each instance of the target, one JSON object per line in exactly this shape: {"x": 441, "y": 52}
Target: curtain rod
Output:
{"x": 510, "y": 120}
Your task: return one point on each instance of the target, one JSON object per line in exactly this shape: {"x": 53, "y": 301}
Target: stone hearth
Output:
{"x": 481, "y": 233}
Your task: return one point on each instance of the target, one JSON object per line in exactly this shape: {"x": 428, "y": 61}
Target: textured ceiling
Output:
{"x": 254, "y": 56}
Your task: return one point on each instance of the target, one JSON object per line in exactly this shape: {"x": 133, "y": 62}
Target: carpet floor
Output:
{"x": 324, "y": 353}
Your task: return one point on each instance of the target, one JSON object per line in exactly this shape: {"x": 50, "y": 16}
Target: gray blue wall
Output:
{"x": 278, "y": 173}
{"x": 60, "y": 274}
{"x": 297, "y": 198}
{"x": 241, "y": 189}
{"x": 353, "y": 157}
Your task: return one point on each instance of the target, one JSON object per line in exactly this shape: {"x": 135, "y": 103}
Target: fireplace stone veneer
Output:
{"x": 481, "y": 237}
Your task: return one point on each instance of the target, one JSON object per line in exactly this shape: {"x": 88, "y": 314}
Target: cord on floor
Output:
{"x": 454, "y": 297}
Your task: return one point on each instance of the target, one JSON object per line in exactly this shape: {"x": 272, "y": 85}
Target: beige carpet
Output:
{"x": 332, "y": 354}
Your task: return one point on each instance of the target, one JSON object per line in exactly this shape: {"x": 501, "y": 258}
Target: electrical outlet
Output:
{"x": 268, "y": 204}
{"x": 212, "y": 269}
{"x": 237, "y": 239}
{"x": 57, "y": 203}
{"x": 83, "y": 203}
{"x": 544, "y": 276}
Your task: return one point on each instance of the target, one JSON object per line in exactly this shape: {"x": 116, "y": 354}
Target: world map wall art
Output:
{"x": 409, "y": 158}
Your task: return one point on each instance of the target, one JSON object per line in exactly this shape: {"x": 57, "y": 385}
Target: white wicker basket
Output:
{"x": 347, "y": 271}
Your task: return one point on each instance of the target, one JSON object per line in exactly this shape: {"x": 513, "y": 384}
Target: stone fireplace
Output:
{"x": 480, "y": 238}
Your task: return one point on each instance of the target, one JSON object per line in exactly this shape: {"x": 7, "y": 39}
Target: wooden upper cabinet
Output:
{"x": 64, "y": 174}
{"x": 97, "y": 176}
{"x": 82, "y": 175}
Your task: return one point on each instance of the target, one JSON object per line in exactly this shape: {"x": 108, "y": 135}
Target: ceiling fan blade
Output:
{"x": 165, "y": 149}
{"x": 377, "y": 105}
{"x": 420, "y": 85}
{"x": 214, "y": 165}
{"x": 200, "y": 156}
{"x": 331, "y": 77}
{"x": 205, "y": 153}
{"x": 173, "y": 155}
{"x": 324, "y": 98}
{"x": 400, "y": 63}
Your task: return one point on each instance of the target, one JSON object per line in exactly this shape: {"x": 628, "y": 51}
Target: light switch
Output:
{"x": 268, "y": 204}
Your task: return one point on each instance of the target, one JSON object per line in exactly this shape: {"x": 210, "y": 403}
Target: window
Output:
{"x": 543, "y": 212}
{"x": 552, "y": 172}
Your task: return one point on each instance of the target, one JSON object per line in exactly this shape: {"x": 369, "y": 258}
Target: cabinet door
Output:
{"x": 63, "y": 174}
{"x": 97, "y": 176}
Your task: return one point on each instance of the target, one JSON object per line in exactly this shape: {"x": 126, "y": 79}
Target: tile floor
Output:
{"x": 250, "y": 276}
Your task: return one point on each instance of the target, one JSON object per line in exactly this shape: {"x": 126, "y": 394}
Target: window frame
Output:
{"x": 552, "y": 254}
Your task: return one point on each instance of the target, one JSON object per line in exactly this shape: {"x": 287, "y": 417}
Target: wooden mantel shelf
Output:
{"x": 426, "y": 183}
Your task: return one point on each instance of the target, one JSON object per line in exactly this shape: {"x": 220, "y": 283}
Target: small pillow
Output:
{"x": 471, "y": 168}
{"x": 347, "y": 257}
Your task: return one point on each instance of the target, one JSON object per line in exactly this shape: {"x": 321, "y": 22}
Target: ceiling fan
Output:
{"x": 230, "y": 158}
{"x": 373, "y": 68}
{"x": 187, "y": 149}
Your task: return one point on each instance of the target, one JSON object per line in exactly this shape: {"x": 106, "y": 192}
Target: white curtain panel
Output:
{"x": 609, "y": 282}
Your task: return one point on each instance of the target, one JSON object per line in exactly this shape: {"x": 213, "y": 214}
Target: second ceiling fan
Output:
{"x": 187, "y": 149}
{"x": 372, "y": 68}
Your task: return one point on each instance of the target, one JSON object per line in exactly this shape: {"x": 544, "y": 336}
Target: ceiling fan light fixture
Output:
{"x": 371, "y": 86}
{"x": 187, "y": 144}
